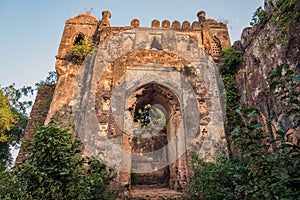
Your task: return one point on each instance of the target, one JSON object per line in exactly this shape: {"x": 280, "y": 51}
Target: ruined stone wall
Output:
{"x": 38, "y": 115}
{"x": 177, "y": 60}
{"x": 83, "y": 25}
{"x": 212, "y": 35}
{"x": 127, "y": 56}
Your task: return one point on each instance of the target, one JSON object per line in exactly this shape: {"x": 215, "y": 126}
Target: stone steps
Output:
{"x": 147, "y": 192}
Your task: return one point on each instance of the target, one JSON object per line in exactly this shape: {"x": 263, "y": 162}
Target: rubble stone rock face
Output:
{"x": 263, "y": 53}
{"x": 172, "y": 68}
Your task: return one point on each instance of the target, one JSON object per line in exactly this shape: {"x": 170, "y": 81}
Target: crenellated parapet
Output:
{"x": 211, "y": 34}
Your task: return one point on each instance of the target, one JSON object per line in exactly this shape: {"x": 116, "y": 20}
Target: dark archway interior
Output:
{"x": 78, "y": 39}
{"x": 151, "y": 110}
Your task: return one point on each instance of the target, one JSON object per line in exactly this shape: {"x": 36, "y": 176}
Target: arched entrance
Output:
{"x": 156, "y": 115}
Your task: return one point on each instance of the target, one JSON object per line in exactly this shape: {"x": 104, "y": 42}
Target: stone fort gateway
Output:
{"x": 144, "y": 98}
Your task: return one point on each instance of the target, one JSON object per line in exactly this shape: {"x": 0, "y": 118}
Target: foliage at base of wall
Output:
{"x": 255, "y": 173}
{"x": 264, "y": 167}
{"x": 56, "y": 169}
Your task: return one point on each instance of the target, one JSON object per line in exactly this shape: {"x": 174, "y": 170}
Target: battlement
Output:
{"x": 88, "y": 19}
{"x": 175, "y": 25}
{"x": 209, "y": 33}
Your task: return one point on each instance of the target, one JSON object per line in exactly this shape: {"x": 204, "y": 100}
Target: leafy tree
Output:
{"x": 19, "y": 107}
{"x": 15, "y": 96}
{"x": 56, "y": 169}
{"x": 12, "y": 135}
{"x": 8, "y": 121}
{"x": 7, "y": 118}
{"x": 51, "y": 79}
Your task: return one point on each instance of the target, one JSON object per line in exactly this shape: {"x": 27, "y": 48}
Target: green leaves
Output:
{"x": 258, "y": 170}
{"x": 79, "y": 52}
{"x": 285, "y": 85}
{"x": 51, "y": 79}
{"x": 230, "y": 61}
{"x": 215, "y": 180}
{"x": 258, "y": 16}
{"x": 56, "y": 169}
{"x": 7, "y": 117}
{"x": 149, "y": 115}
{"x": 228, "y": 65}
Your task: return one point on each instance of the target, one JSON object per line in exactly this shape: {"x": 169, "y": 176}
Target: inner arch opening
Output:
{"x": 154, "y": 109}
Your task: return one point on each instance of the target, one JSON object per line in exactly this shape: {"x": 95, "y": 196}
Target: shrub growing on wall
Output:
{"x": 79, "y": 52}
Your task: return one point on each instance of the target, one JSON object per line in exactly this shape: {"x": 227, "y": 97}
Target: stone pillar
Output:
{"x": 105, "y": 22}
{"x": 201, "y": 17}
{"x": 126, "y": 161}
{"x": 205, "y": 32}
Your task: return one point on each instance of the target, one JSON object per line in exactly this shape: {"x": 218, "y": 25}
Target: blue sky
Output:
{"x": 30, "y": 30}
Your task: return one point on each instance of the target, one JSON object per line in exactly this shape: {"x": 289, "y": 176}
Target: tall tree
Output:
{"x": 13, "y": 120}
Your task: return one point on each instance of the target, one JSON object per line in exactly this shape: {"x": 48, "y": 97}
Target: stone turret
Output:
{"x": 201, "y": 17}
{"x": 105, "y": 22}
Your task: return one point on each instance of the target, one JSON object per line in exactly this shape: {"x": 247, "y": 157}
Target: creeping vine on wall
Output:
{"x": 228, "y": 65}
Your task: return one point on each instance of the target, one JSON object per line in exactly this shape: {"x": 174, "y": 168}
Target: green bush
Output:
{"x": 230, "y": 61}
{"x": 254, "y": 173}
{"x": 79, "y": 52}
{"x": 264, "y": 167}
{"x": 56, "y": 169}
{"x": 214, "y": 180}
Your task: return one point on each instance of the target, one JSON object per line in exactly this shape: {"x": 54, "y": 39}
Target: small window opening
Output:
{"x": 79, "y": 38}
